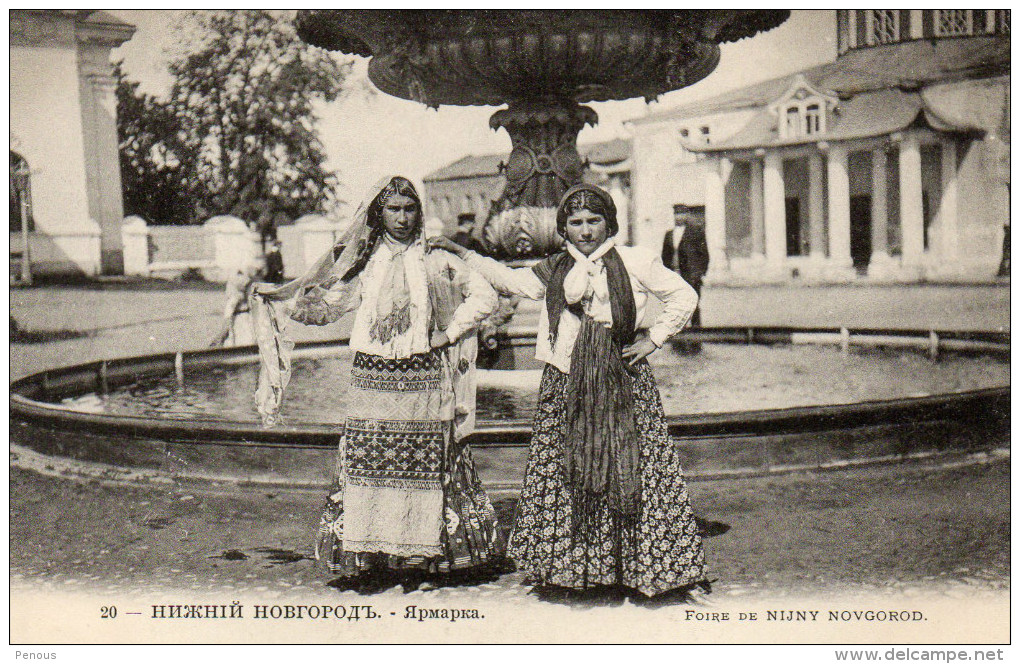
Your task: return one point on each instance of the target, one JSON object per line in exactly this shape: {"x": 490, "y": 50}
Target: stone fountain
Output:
{"x": 543, "y": 64}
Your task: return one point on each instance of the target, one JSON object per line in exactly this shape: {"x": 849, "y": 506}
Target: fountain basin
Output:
{"x": 965, "y": 417}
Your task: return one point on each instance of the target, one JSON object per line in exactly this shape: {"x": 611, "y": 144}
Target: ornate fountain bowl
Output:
{"x": 492, "y": 57}
{"x": 543, "y": 64}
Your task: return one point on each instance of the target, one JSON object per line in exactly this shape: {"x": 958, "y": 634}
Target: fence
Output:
{"x": 219, "y": 246}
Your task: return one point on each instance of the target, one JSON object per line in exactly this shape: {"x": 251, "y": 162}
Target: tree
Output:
{"x": 236, "y": 133}
{"x": 153, "y": 181}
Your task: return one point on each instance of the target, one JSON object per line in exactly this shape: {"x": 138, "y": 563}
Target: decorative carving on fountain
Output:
{"x": 543, "y": 164}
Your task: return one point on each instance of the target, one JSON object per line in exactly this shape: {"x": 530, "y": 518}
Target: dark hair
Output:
{"x": 587, "y": 197}
{"x": 397, "y": 185}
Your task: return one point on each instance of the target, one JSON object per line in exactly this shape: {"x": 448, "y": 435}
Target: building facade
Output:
{"x": 65, "y": 169}
{"x": 470, "y": 185}
{"x": 889, "y": 163}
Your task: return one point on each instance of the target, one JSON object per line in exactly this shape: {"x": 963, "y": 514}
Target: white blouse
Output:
{"x": 480, "y": 301}
{"x": 647, "y": 276}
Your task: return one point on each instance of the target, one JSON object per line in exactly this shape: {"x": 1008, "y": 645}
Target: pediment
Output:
{"x": 800, "y": 91}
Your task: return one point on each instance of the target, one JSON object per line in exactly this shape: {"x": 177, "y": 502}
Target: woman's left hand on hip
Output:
{"x": 640, "y": 349}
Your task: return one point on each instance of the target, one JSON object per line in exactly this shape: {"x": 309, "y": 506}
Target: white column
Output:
{"x": 775, "y": 211}
{"x": 879, "y": 207}
{"x": 756, "y": 195}
{"x": 916, "y": 24}
{"x": 816, "y": 207}
{"x": 99, "y": 130}
{"x": 947, "y": 209}
{"x": 911, "y": 204}
{"x": 136, "y": 246}
{"x": 715, "y": 215}
{"x": 839, "y": 207}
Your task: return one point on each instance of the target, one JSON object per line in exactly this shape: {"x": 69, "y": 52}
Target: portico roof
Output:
{"x": 879, "y": 91}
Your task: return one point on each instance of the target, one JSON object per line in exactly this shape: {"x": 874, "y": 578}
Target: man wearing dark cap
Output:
{"x": 685, "y": 250}
{"x": 465, "y": 235}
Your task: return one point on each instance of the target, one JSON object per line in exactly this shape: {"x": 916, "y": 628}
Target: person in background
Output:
{"x": 236, "y": 329}
{"x": 685, "y": 251}
{"x": 274, "y": 262}
{"x": 1004, "y": 263}
{"x": 465, "y": 232}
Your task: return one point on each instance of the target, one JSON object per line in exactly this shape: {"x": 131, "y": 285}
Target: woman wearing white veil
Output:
{"x": 405, "y": 495}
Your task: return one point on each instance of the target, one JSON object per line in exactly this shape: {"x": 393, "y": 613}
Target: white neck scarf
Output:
{"x": 580, "y": 282}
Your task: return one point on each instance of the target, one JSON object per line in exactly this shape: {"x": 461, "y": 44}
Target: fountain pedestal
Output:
{"x": 543, "y": 164}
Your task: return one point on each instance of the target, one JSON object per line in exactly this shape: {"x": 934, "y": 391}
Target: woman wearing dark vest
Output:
{"x": 604, "y": 502}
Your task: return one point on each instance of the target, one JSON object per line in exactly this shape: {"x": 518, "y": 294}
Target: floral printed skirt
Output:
{"x": 405, "y": 495}
{"x": 660, "y": 551}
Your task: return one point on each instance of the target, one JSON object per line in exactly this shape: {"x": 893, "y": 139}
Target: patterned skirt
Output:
{"x": 404, "y": 496}
{"x": 659, "y": 551}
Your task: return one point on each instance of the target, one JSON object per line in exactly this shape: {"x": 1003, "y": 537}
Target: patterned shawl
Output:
{"x": 602, "y": 453}
{"x": 324, "y": 293}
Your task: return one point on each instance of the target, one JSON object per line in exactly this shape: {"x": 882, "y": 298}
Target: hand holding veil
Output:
{"x": 318, "y": 297}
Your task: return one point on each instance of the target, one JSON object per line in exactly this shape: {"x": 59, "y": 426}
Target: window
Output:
{"x": 803, "y": 117}
{"x": 883, "y": 26}
{"x": 704, "y": 135}
{"x": 792, "y": 126}
{"x": 803, "y": 110}
{"x": 953, "y": 22}
{"x": 813, "y": 119}
{"x": 685, "y": 132}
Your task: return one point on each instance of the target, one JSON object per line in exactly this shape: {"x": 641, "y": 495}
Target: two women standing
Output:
{"x": 604, "y": 502}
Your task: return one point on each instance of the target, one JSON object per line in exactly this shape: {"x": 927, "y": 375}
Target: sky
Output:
{"x": 368, "y": 134}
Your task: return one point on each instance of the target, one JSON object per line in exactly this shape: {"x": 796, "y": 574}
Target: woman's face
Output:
{"x": 587, "y": 231}
{"x": 400, "y": 217}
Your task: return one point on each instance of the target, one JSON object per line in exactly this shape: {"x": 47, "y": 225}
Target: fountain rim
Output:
{"x": 517, "y": 433}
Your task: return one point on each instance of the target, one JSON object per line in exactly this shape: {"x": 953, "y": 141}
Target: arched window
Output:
{"x": 803, "y": 110}
{"x": 792, "y": 121}
{"x": 813, "y": 119}
{"x": 20, "y": 194}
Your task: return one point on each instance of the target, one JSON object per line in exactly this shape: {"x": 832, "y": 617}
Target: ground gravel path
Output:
{"x": 914, "y": 527}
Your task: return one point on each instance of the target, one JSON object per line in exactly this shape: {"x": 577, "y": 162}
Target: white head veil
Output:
{"x": 318, "y": 297}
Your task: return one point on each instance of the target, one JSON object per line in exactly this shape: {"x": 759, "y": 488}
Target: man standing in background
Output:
{"x": 274, "y": 262}
{"x": 465, "y": 235}
{"x": 685, "y": 250}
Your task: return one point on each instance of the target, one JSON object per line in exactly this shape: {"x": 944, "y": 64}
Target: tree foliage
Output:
{"x": 236, "y": 133}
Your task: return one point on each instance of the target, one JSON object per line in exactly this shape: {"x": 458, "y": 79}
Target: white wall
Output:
{"x": 46, "y": 131}
{"x": 665, "y": 173}
{"x": 983, "y": 209}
